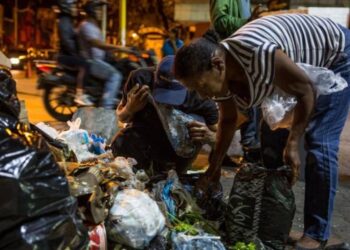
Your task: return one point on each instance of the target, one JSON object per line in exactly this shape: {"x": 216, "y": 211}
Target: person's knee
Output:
{"x": 118, "y": 144}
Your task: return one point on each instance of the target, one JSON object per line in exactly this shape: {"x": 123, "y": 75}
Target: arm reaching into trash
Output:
{"x": 226, "y": 129}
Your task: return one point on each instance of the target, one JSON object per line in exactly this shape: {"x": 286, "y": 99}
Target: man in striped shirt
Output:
{"x": 246, "y": 67}
{"x": 227, "y": 16}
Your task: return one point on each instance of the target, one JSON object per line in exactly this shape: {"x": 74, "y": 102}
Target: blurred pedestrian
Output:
{"x": 173, "y": 43}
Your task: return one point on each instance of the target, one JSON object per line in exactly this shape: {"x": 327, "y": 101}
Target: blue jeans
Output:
{"x": 112, "y": 78}
{"x": 322, "y": 144}
{"x": 249, "y": 130}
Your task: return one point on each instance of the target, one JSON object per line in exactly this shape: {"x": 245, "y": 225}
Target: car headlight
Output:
{"x": 14, "y": 61}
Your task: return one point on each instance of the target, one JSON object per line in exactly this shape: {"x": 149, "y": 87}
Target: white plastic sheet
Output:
{"x": 134, "y": 219}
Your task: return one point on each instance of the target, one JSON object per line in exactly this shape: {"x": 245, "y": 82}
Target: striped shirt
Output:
{"x": 304, "y": 38}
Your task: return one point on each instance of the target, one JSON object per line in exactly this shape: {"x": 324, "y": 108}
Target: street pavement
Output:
{"x": 341, "y": 219}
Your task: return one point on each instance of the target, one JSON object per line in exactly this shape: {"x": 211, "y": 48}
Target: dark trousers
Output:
{"x": 148, "y": 147}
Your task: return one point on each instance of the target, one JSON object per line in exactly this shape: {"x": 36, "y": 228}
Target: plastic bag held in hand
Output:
{"x": 278, "y": 108}
{"x": 323, "y": 79}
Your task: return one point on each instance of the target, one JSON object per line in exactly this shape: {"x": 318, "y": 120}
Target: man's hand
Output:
{"x": 137, "y": 98}
{"x": 292, "y": 158}
{"x": 199, "y": 132}
{"x": 207, "y": 182}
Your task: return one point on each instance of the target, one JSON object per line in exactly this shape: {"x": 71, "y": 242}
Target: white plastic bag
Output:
{"x": 134, "y": 219}
{"x": 52, "y": 132}
{"x": 278, "y": 108}
{"x": 323, "y": 79}
{"x": 78, "y": 140}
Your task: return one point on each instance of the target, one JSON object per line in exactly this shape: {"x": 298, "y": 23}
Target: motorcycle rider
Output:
{"x": 69, "y": 49}
{"x": 94, "y": 48}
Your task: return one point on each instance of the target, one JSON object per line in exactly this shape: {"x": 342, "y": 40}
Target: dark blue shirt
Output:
{"x": 168, "y": 48}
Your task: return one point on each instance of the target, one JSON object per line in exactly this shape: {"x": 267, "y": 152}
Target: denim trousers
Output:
{"x": 322, "y": 139}
{"x": 112, "y": 78}
{"x": 249, "y": 130}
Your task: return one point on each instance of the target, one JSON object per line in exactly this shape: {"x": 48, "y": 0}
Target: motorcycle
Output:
{"x": 59, "y": 82}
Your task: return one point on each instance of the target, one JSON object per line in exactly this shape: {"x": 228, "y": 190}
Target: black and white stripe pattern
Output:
{"x": 304, "y": 38}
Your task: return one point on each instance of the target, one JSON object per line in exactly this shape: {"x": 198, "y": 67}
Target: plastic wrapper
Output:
{"x": 122, "y": 168}
{"x": 181, "y": 241}
{"x": 97, "y": 145}
{"x": 85, "y": 186}
{"x": 134, "y": 219}
{"x": 323, "y": 79}
{"x": 99, "y": 121}
{"x": 261, "y": 206}
{"x": 278, "y": 108}
{"x": 175, "y": 124}
{"x": 36, "y": 209}
{"x": 78, "y": 140}
{"x": 50, "y": 131}
{"x": 177, "y": 200}
{"x": 98, "y": 237}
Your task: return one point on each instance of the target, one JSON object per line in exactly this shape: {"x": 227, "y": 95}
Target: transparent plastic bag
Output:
{"x": 123, "y": 168}
{"x": 324, "y": 80}
{"x": 78, "y": 140}
{"x": 203, "y": 241}
{"x": 134, "y": 219}
{"x": 52, "y": 132}
{"x": 278, "y": 108}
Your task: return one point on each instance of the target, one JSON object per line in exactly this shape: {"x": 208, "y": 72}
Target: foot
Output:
{"x": 83, "y": 100}
{"x": 307, "y": 243}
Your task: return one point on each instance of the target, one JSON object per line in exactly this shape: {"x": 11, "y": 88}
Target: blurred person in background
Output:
{"x": 172, "y": 43}
{"x": 69, "y": 49}
{"x": 94, "y": 49}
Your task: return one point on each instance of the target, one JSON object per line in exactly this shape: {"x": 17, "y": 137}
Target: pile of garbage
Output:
{"x": 80, "y": 196}
{"x": 121, "y": 206}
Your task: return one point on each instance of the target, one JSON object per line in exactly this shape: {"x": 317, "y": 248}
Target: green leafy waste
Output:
{"x": 243, "y": 246}
{"x": 192, "y": 223}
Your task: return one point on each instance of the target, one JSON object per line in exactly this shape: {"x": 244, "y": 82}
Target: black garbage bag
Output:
{"x": 261, "y": 206}
{"x": 36, "y": 209}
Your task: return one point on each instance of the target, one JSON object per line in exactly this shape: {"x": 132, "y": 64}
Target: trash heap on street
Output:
{"x": 66, "y": 190}
{"x": 80, "y": 196}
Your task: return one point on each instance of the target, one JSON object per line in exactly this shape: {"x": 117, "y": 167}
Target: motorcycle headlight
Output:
{"x": 14, "y": 61}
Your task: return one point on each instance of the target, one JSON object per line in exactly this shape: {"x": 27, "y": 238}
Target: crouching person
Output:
{"x": 144, "y": 137}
